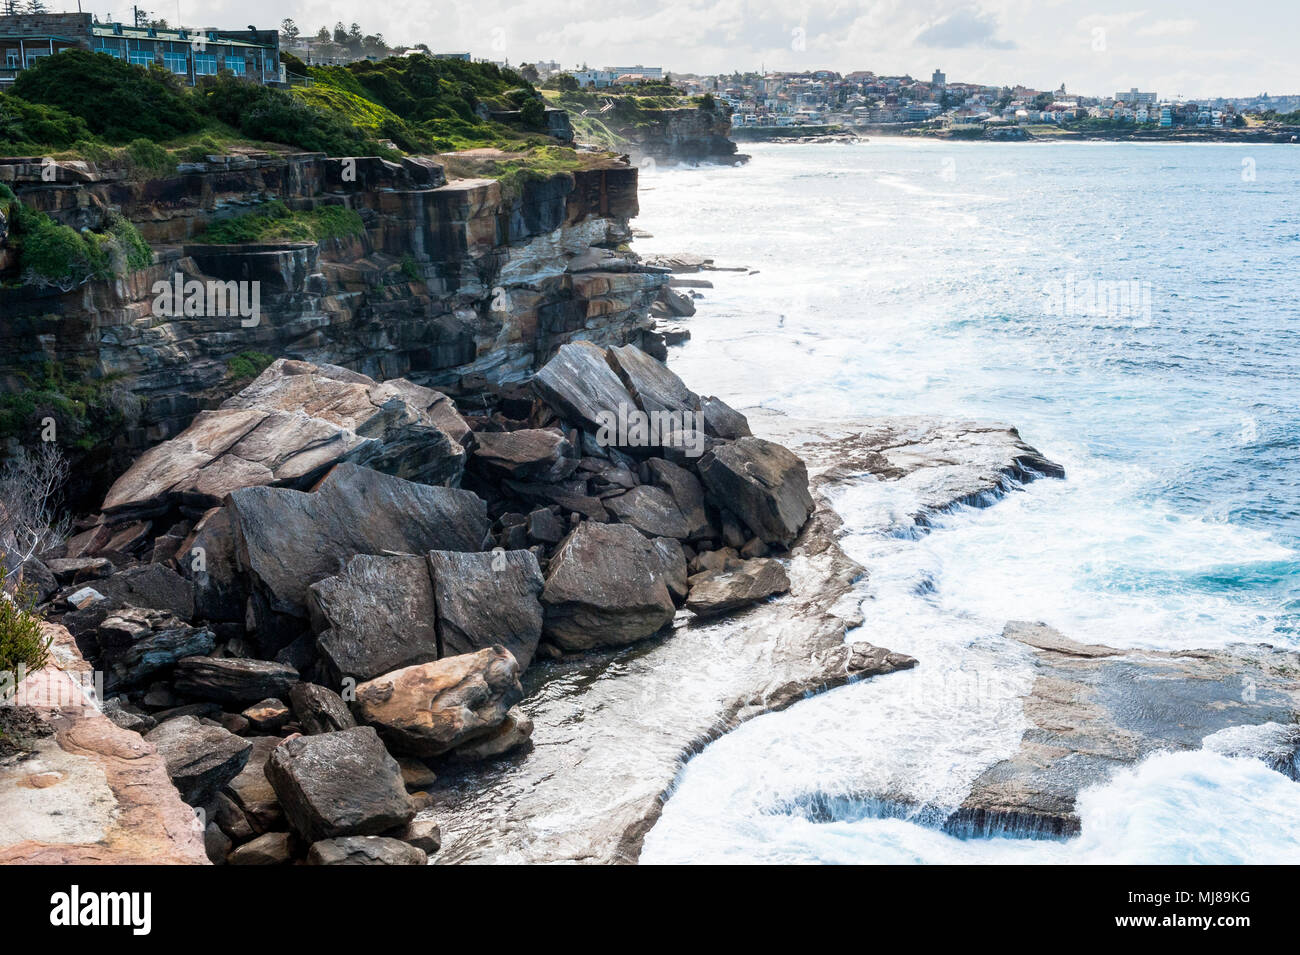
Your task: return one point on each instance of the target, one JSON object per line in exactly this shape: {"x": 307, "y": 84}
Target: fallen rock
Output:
{"x": 233, "y": 679}
{"x": 488, "y": 599}
{"x": 290, "y": 425}
{"x": 200, "y": 758}
{"x": 605, "y": 586}
{"x": 288, "y": 540}
{"x": 431, "y": 708}
{"x": 718, "y": 592}
{"x": 424, "y": 834}
{"x": 655, "y": 389}
{"x": 136, "y": 643}
{"x": 415, "y": 773}
{"x": 268, "y": 716}
{"x": 252, "y": 791}
{"x": 763, "y": 484}
{"x": 533, "y": 454}
{"x": 319, "y": 709}
{"x": 79, "y": 570}
{"x": 338, "y": 784}
{"x": 686, "y": 492}
{"x": 579, "y": 385}
{"x": 365, "y": 850}
{"x": 270, "y": 848}
{"x": 651, "y": 510}
{"x": 378, "y": 615}
{"x": 514, "y": 731}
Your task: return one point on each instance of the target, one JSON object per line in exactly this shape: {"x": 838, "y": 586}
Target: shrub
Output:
{"x": 116, "y": 100}
{"x": 22, "y": 643}
{"x": 24, "y": 126}
{"x": 276, "y": 115}
{"x": 274, "y": 220}
{"x": 247, "y": 365}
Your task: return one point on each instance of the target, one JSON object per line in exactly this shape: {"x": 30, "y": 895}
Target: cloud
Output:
{"x": 966, "y": 27}
{"x": 1169, "y": 28}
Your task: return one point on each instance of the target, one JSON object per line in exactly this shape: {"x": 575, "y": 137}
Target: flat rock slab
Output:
{"x": 91, "y": 792}
{"x": 612, "y": 728}
{"x": 1094, "y": 709}
{"x": 291, "y": 423}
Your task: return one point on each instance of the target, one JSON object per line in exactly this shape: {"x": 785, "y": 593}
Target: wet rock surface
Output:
{"x": 1094, "y": 709}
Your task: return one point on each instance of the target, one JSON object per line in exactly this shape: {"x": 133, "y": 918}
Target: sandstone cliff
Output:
{"x": 452, "y": 284}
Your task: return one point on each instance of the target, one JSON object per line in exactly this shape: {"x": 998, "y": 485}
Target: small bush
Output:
{"x": 147, "y": 160}
{"x": 21, "y": 642}
{"x": 247, "y": 365}
{"x": 275, "y": 221}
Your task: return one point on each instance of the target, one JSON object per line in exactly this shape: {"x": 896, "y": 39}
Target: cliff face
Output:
{"x": 452, "y": 284}
{"x": 687, "y": 134}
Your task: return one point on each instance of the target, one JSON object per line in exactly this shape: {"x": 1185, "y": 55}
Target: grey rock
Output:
{"x": 288, "y": 540}
{"x": 376, "y": 616}
{"x": 534, "y": 454}
{"x": 233, "y": 679}
{"x": 764, "y": 484}
{"x": 319, "y": 709}
{"x": 605, "y": 586}
{"x": 424, "y": 834}
{"x": 290, "y": 425}
{"x": 136, "y": 643}
{"x": 579, "y": 385}
{"x": 200, "y": 758}
{"x": 723, "y": 591}
{"x": 486, "y": 599}
{"x": 127, "y": 716}
{"x": 268, "y": 716}
{"x": 338, "y": 784}
{"x": 723, "y": 421}
{"x": 655, "y": 389}
{"x": 544, "y": 527}
{"x": 686, "y": 492}
{"x": 651, "y": 510}
{"x": 365, "y": 850}
{"x": 270, "y": 848}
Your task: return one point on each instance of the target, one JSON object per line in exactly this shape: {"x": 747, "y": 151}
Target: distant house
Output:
{"x": 190, "y": 53}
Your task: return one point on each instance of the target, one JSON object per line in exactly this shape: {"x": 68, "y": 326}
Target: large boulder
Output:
{"x": 763, "y": 484}
{"x": 365, "y": 850}
{"x": 233, "y": 679}
{"x": 287, "y": 540}
{"x": 651, "y": 510}
{"x": 290, "y": 425}
{"x": 207, "y": 558}
{"x": 339, "y": 784}
{"x": 376, "y": 616}
{"x": 532, "y": 454}
{"x": 200, "y": 758}
{"x": 723, "y": 421}
{"x": 653, "y": 386}
{"x": 605, "y": 586}
{"x": 580, "y": 386}
{"x": 488, "y": 599}
{"x": 429, "y": 709}
{"x": 716, "y": 592}
{"x": 686, "y": 492}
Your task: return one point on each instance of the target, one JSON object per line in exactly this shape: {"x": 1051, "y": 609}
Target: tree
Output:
{"x": 289, "y": 30}
{"x": 340, "y": 34}
{"x": 29, "y": 484}
{"x": 141, "y": 17}
{"x": 529, "y": 72}
{"x": 10, "y": 8}
{"x": 37, "y": 7}
{"x": 323, "y": 35}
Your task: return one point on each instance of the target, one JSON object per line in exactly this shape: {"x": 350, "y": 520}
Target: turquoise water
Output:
{"x": 900, "y": 277}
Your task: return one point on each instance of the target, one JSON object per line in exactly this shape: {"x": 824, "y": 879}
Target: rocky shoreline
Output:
{"x": 299, "y": 670}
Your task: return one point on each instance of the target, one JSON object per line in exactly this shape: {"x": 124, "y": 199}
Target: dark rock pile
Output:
{"x": 327, "y": 584}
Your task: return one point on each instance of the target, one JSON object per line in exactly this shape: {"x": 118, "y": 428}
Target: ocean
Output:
{"x": 1133, "y": 309}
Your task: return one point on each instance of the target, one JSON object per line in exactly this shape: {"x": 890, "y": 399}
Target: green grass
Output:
{"x": 274, "y": 221}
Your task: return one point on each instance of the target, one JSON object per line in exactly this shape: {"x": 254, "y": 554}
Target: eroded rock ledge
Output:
{"x": 1094, "y": 709}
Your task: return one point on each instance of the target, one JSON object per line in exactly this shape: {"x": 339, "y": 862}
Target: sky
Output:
{"x": 1192, "y": 48}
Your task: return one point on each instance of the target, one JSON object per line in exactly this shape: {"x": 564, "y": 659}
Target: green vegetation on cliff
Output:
{"x": 91, "y": 106}
{"x": 274, "y": 221}
{"x": 54, "y": 254}
{"x": 613, "y": 116}
{"x": 89, "y": 411}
